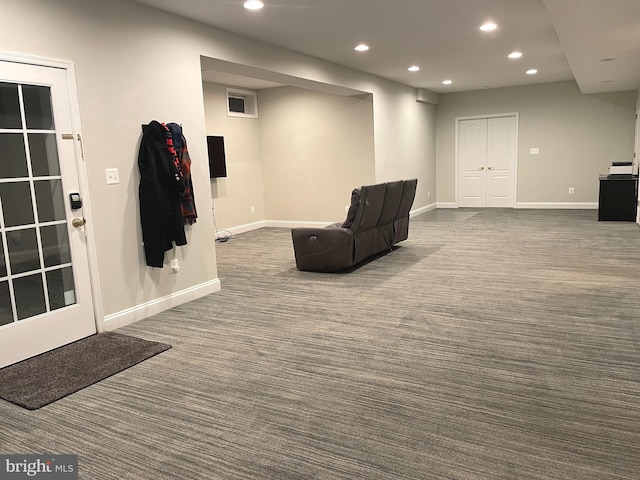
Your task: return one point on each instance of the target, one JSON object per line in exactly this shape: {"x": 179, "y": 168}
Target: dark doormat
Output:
{"x": 41, "y": 380}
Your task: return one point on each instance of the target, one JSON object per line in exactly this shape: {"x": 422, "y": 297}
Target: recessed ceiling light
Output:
{"x": 253, "y": 4}
{"x": 413, "y": 68}
{"x": 531, "y": 71}
{"x": 608, "y": 59}
{"x": 488, "y": 27}
{"x": 361, "y": 47}
{"x": 447, "y": 82}
{"x": 606, "y": 81}
{"x": 515, "y": 54}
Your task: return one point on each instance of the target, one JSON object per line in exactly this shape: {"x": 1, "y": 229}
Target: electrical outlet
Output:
{"x": 534, "y": 151}
{"x": 253, "y": 209}
{"x": 113, "y": 177}
{"x": 571, "y": 191}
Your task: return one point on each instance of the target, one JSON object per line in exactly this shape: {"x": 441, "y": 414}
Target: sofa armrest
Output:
{"x": 323, "y": 249}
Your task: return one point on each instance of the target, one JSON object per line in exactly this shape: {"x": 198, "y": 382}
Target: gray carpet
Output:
{"x": 505, "y": 346}
{"x": 41, "y": 380}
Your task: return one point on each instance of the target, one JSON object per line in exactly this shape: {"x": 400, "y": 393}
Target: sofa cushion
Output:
{"x": 401, "y": 223}
{"x": 353, "y": 208}
{"x": 392, "y": 197}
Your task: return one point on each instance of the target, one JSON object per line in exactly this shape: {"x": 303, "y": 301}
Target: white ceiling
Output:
{"x": 562, "y": 39}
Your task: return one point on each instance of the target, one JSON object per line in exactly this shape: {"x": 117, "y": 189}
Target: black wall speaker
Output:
{"x": 217, "y": 158}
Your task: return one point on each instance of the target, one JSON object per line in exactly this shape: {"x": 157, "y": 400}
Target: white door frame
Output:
{"x": 81, "y": 167}
{"x": 457, "y": 158}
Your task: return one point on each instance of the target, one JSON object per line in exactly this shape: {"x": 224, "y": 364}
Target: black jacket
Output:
{"x": 161, "y": 187}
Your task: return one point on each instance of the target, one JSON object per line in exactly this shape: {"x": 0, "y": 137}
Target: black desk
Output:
{"x": 618, "y": 198}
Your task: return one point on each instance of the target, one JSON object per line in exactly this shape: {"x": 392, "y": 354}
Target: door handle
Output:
{"x": 481, "y": 168}
{"x": 78, "y": 222}
{"x": 489, "y": 168}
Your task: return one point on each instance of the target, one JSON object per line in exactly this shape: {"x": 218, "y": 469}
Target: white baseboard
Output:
{"x": 447, "y": 205}
{"x": 426, "y": 208}
{"x": 301, "y": 223}
{"x": 295, "y": 223}
{"x": 559, "y": 205}
{"x": 541, "y": 205}
{"x": 144, "y": 310}
{"x": 247, "y": 227}
{"x": 274, "y": 224}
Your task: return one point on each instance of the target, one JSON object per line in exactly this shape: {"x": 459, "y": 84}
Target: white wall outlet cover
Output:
{"x": 534, "y": 151}
{"x": 175, "y": 266}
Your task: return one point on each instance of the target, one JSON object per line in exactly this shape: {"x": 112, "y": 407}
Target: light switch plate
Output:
{"x": 113, "y": 177}
{"x": 534, "y": 151}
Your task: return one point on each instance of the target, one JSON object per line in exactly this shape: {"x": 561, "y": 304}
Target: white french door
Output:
{"x": 486, "y": 156}
{"x": 45, "y": 293}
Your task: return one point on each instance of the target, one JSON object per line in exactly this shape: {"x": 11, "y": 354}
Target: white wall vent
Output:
{"x": 242, "y": 103}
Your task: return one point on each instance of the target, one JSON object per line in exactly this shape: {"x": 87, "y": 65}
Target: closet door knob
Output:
{"x": 481, "y": 168}
{"x": 489, "y": 168}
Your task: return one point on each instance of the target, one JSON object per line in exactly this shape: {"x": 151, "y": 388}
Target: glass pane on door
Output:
{"x": 36, "y": 274}
{"x": 37, "y": 107}
{"x": 55, "y": 245}
{"x": 29, "y": 294}
{"x": 44, "y": 154}
{"x": 61, "y": 288}
{"x": 9, "y": 106}
{"x": 15, "y": 198}
{"x": 23, "y": 251}
{"x": 49, "y": 200}
{"x": 14, "y": 164}
{"x": 6, "y": 315}
{"x": 3, "y": 266}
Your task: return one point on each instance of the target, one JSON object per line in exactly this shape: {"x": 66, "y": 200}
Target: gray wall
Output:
{"x": 242, "y": 189}
{"x": 120, "y": 50}
{"x": 296, "y": 162}
{"x": 578, "y": 137}
{"x": 316, "y": 147}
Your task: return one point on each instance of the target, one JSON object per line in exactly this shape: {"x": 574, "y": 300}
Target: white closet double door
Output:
{"x": 486, "y": 161}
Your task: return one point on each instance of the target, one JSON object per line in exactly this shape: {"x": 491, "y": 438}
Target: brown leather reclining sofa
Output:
{"x": 377, "y": 219}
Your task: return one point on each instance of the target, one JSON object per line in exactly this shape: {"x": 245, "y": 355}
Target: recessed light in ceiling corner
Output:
{"x": 531, "y": 71}
{"x": 253, "y": 4}
{"x": 447, "y": 82}
{"x": 488, "y": 27}
{"x": 606, "y": 81}
{"x": 608, "y": 59}
{"x": 515, "y": 54}
{"x": 361, "y": 47}
{"x": 414, "y": 68}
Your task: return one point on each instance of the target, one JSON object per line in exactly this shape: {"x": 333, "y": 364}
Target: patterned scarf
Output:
{"x": 177, "y": 172}
{"x": 189, "y": 212}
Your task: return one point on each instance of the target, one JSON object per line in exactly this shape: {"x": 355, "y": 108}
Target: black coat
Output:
{"x": 161, "y": 187}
